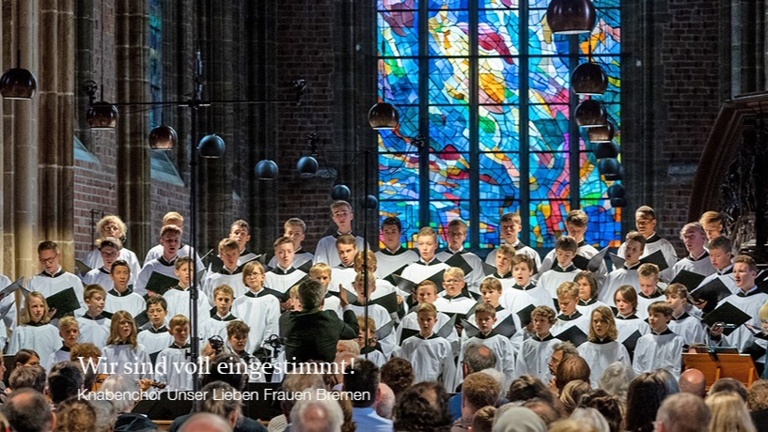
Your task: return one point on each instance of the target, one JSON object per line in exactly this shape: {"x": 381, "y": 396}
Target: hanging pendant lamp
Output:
{"x": 571, "y": 16}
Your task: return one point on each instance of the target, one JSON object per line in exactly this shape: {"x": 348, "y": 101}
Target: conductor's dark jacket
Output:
{"x": 314, "y": 335}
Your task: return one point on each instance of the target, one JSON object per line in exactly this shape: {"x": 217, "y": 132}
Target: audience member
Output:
{"x": 75, "y": 415}
{"x": 28, "y": 377}
{"x": 27, "y": 410}
{"x": 693, "y": 381}
{"x": 386, "y": 403}
{"x": 616, "y": 378}
{"x": 757, "y": 403}
{"x": 724, "y": 385}
{"x": 483, "y": 420}
{"x": 683, "y": 412}
{"x": 206, "y": 422}
{"x": 590, "y": 417}
{"x": 106, "y": 415}
{"x": 316, "y": 415}
{"x": 517, "y": 419}
{"x": 65, "y": 381}
{"x": 570, "y": 369}
{"x": 397, "y": 373}
{"x": 608, "y": 405}
{"x": 479, "y": 390}
{"x": 293, "y": 384}
{"x": 572, "y": 392}
{"x": 547, "y": 411}
{"x": 126, "y": 420}
{"x": 729, "y": 413}
{"x": 422, "y": 407}
{"x": 644, "y": 397}
{"x": 569, "y": 425}
{"x": 363, "y": 377}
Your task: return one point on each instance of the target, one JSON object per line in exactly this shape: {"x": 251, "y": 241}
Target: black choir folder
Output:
{"x": 713, "y": 291}
{"x": 728, "y": 315}
{"x": 159, "y": 283}
{"x": 573, "y": 335}
{"x": 10, "y": 289}
{"x": 65, "y": 302}
{"x": 505, "y": 328}
{"x": 654, "y": 258}
{"x": 590, "y": 264}
{"x": 409, "y": 286}
{"x": 688, "y": 279}
{"x": 443, "y": 332}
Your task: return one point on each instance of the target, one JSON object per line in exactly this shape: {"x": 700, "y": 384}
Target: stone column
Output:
{"x": 133, "y": 161}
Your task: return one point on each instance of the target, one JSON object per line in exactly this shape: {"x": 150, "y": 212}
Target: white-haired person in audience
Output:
{"x": 616, "y": 378}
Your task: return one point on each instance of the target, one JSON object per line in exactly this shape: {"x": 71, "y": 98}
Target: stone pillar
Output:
{"x": 133, "y": 161}
{"x": 56, "y": 111}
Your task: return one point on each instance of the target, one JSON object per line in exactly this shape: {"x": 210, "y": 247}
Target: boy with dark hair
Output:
{"x": 230, "y": 272}
{"x": 485, "y": 318}
{"x": 170, "y": 238}
{"x": 523, "y": 293}
{"x": 689, "y": 327}
{"x": 221, "y": 313}
{"x": 342, "y": 215}
{"x": 171, "y": 361}
{"x": 425, "y": 293}
{"x": 503, "y": 263}
{"x": 576, "y": 224}
{"x": 284, "y": 274}
{"x": 536, "y": 351}
{"x": 430, "y": 354}
{"x": 121, "y": 296}
{"x": 344, "y": 272}
{"x": 154, "y": 334}
{"x": 510, "y": 227}
{"x": 240, "y": 232}
{"x": 295, "y": 229}
{"x": 661, "y": 348}
{"x": 645, "y": 221}
{"x": 634, "y": 245}
{"x": 178, "y": 297}
{"x": 721, "y": 257}
{"x": 393, "y": 256}
{"x": 563, "y": 270}
{"x": 109, "y": 248}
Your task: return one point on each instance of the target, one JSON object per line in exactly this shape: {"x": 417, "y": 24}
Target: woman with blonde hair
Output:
{"x": 124, "y": 354}
{"x": 602, "y": 349}
{"x": 112, "y": 226}
{"x": 729, "y": 413}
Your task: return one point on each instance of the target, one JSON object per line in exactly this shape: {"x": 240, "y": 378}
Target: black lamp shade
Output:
{"x": 618, "y": 202}
{"x": 607, "y": 150}
{"x": 609, "y": 168}
{"x": 266, "y": 170}
{"x": 211, "y": 146}
{"x": 371, "y": 202}
{"x": 601, "y": 134}
{"x": 340, "y": 192}
{"x": 18, "y": 83}
{"x": 383, "y": 116}
{"x": 307, "y": 166}
{"x": 163, "y": 137}
{"x": 590, "y": 113}
{"x": 102, "y": 115}
{"x": 571, "y": 16}
{"x": 589, "y": 79}
{"x": 616, "y": 191}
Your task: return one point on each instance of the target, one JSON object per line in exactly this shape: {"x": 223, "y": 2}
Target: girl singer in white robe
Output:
{"x": 602, "y": 348}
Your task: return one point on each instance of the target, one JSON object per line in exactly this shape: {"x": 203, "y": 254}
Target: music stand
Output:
{"x": 715, "y": 366}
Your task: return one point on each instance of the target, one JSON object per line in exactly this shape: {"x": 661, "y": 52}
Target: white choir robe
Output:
{"x": 516, "y": 299}
{"x": 261, "y": 312}
{"x": 534, "y": 357}
{"x": 587, "y": 251}
{"x": 126, "y": 360}
{"x": 554, "y": 277}
{"x": 60, "y": 355}
{"x": 155, "y": 340}
{"x": 741, "y": 337}
{"x": 159, "y": 265}
{"x": 179, "y": 304}
{"x": 501, "y": 346}
{"x": 501, "y": 315}
{"x": 586, "y": 307}
{"x": 432, "y": 359}
{"x": 8, "y": 305}
{"x": 563, "y": 323}
{"x": 659, "y": 351}
{"x": 643, "y": 301}
{"x": 95, "y": 331}
{"x": 600, "y": 354}
{"x": 476, "y": 275}
{"x": 333, "y": 303}
{"x": 157, "y": 251}
{"x": 300, "y": 258}
{"x": 653, "y": 244}
{"x": 170, "y": 368}
{"x": 388, "y": 262}
{"x": 419, "y": 271}
{"x": 216, "y": 326}
{"x": 617, "y": 278}
{"x": 326, "y": 252}
{"x": 411, "y": 322}
{"x": 224, "y": 277}
{"x": 627, "y": 327}
{"x": 128, "y": 301}
{"x": 49, "y": 285}
{"x": 382, "y": 318}
{"x": 690, "y": 328}
{"x": 342, "y": 276}
{"x": 101, "y": 276}
{"x": 506, "y": 280}
{"x": 377, "y": 357}
{"x": 725, "y": 276}
{"x": 460, "y": 304}
{"x": 520, "y": 248}
{"x": 94, "y": 261}
{"x": 701, "y": 265}
{"x": 43, "y": 339}
{"x": 283, "y": 279}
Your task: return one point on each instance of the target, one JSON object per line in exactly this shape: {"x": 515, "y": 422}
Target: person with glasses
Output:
{"x": 645, "y": 221}
{"x": 325, "y": 252}
{"x": 53, "y": 279}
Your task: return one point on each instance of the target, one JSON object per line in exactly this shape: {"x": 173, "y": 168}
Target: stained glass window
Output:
{"x": 483, "y": 91}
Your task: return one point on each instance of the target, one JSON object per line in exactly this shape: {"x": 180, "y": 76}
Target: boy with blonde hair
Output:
{"x": 536, "y": 351}
{"x": 645, "y": 221}
{"x": 94, "y": 324}
{"x": 428, "y": 265}
{"x": 295, "y": 229}
{"x": 425, "y": 293}
{"x": 342, "y": 214}
{"x": 69, "y": 330}
{"x": 164, "y": 265}
{"x": 173, "y": 365}
{"x": 221, "y": 313}
{"x": 485, "y": 318}
{"x": 322, "y": 273}
{"x": 697, "y": 261}
{"x": 661, "y": 348}
{"x": 454, "y": 299}
{"x": 373, "y": 351}
{"x": 567, "y": 299}
{"x": 689, "y": 327}
{"x": 457, "y": 235}
{"x": 385, "y": 323}
{"x": 230, "y": 272}
{"x": 284, "y": 274}
{"x": 713, "y": 224}
{"x": 257, "y": 308}
{"x": 650, "y": 291}
{"x": 430, "y": 354}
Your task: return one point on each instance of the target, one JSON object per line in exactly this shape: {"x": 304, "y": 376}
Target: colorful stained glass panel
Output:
{"x": 499, "y": 128}
{"x": 449, "y": 128}
{"x": 547, "y": 220}
{"x": 448, "y": 81}
{"x": 448, "y": 33}
{"x": 398, "y": 34}
{"x": 498, "y": 33}
{"x": 498, "y": 81}
{"x": 499, "y": 176}
{"x": 549, "y": 178}
{"x": 398, "y": 176}
{"x": 397, "y": 82}
{"x": 441, "y": 213}
{"x": 490, "y": 220}
{"x": 449, "y": 176}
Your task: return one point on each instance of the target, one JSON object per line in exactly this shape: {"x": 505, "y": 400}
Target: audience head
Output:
{"x": 571, "y": 394}
{"x": 423, "y": 407}
{"x": 386, "y": 403}
{"x": 317, "y": 415}
{"x": 28, "y": 377}
{"x": 550, "y": 412}
{"x": 205, "y": 422}
{"x": 27, "y": 410}
{"x": 572, "y": 368}
{"x": 724, "y": 385}
{"x": 616, "y": 378}
{"x": 121, "y": 384}
{"x": 106, "y": 414}
{"x": 479, "y": 389}
{"x": 757, "y": 399}
{"x": 64, "y": 381}
{"x": 611, "y": 407}
{"x": 398, "y": 374}
{"x": 511, "y": 418}
{"x": 693, "y": 381}
{"x": 729, "y": 413}
{"x": 561, "y": 351}
{"x": 483, "y": 419}
{"x": 362, "y": 376}
{"x": 75, "y": 414}
{"x": 297, "y": 383}
{"x": 683, "y": 412}
{"x": 644, "y": 397}
{"x": 26, "y": 357}
{"x": 478, "y": 357}
{"x": 528, "y": 387}
{"x": 670, "y": 383}
{"x": 229, "y": 407}
{"x": 590, "y": 417}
